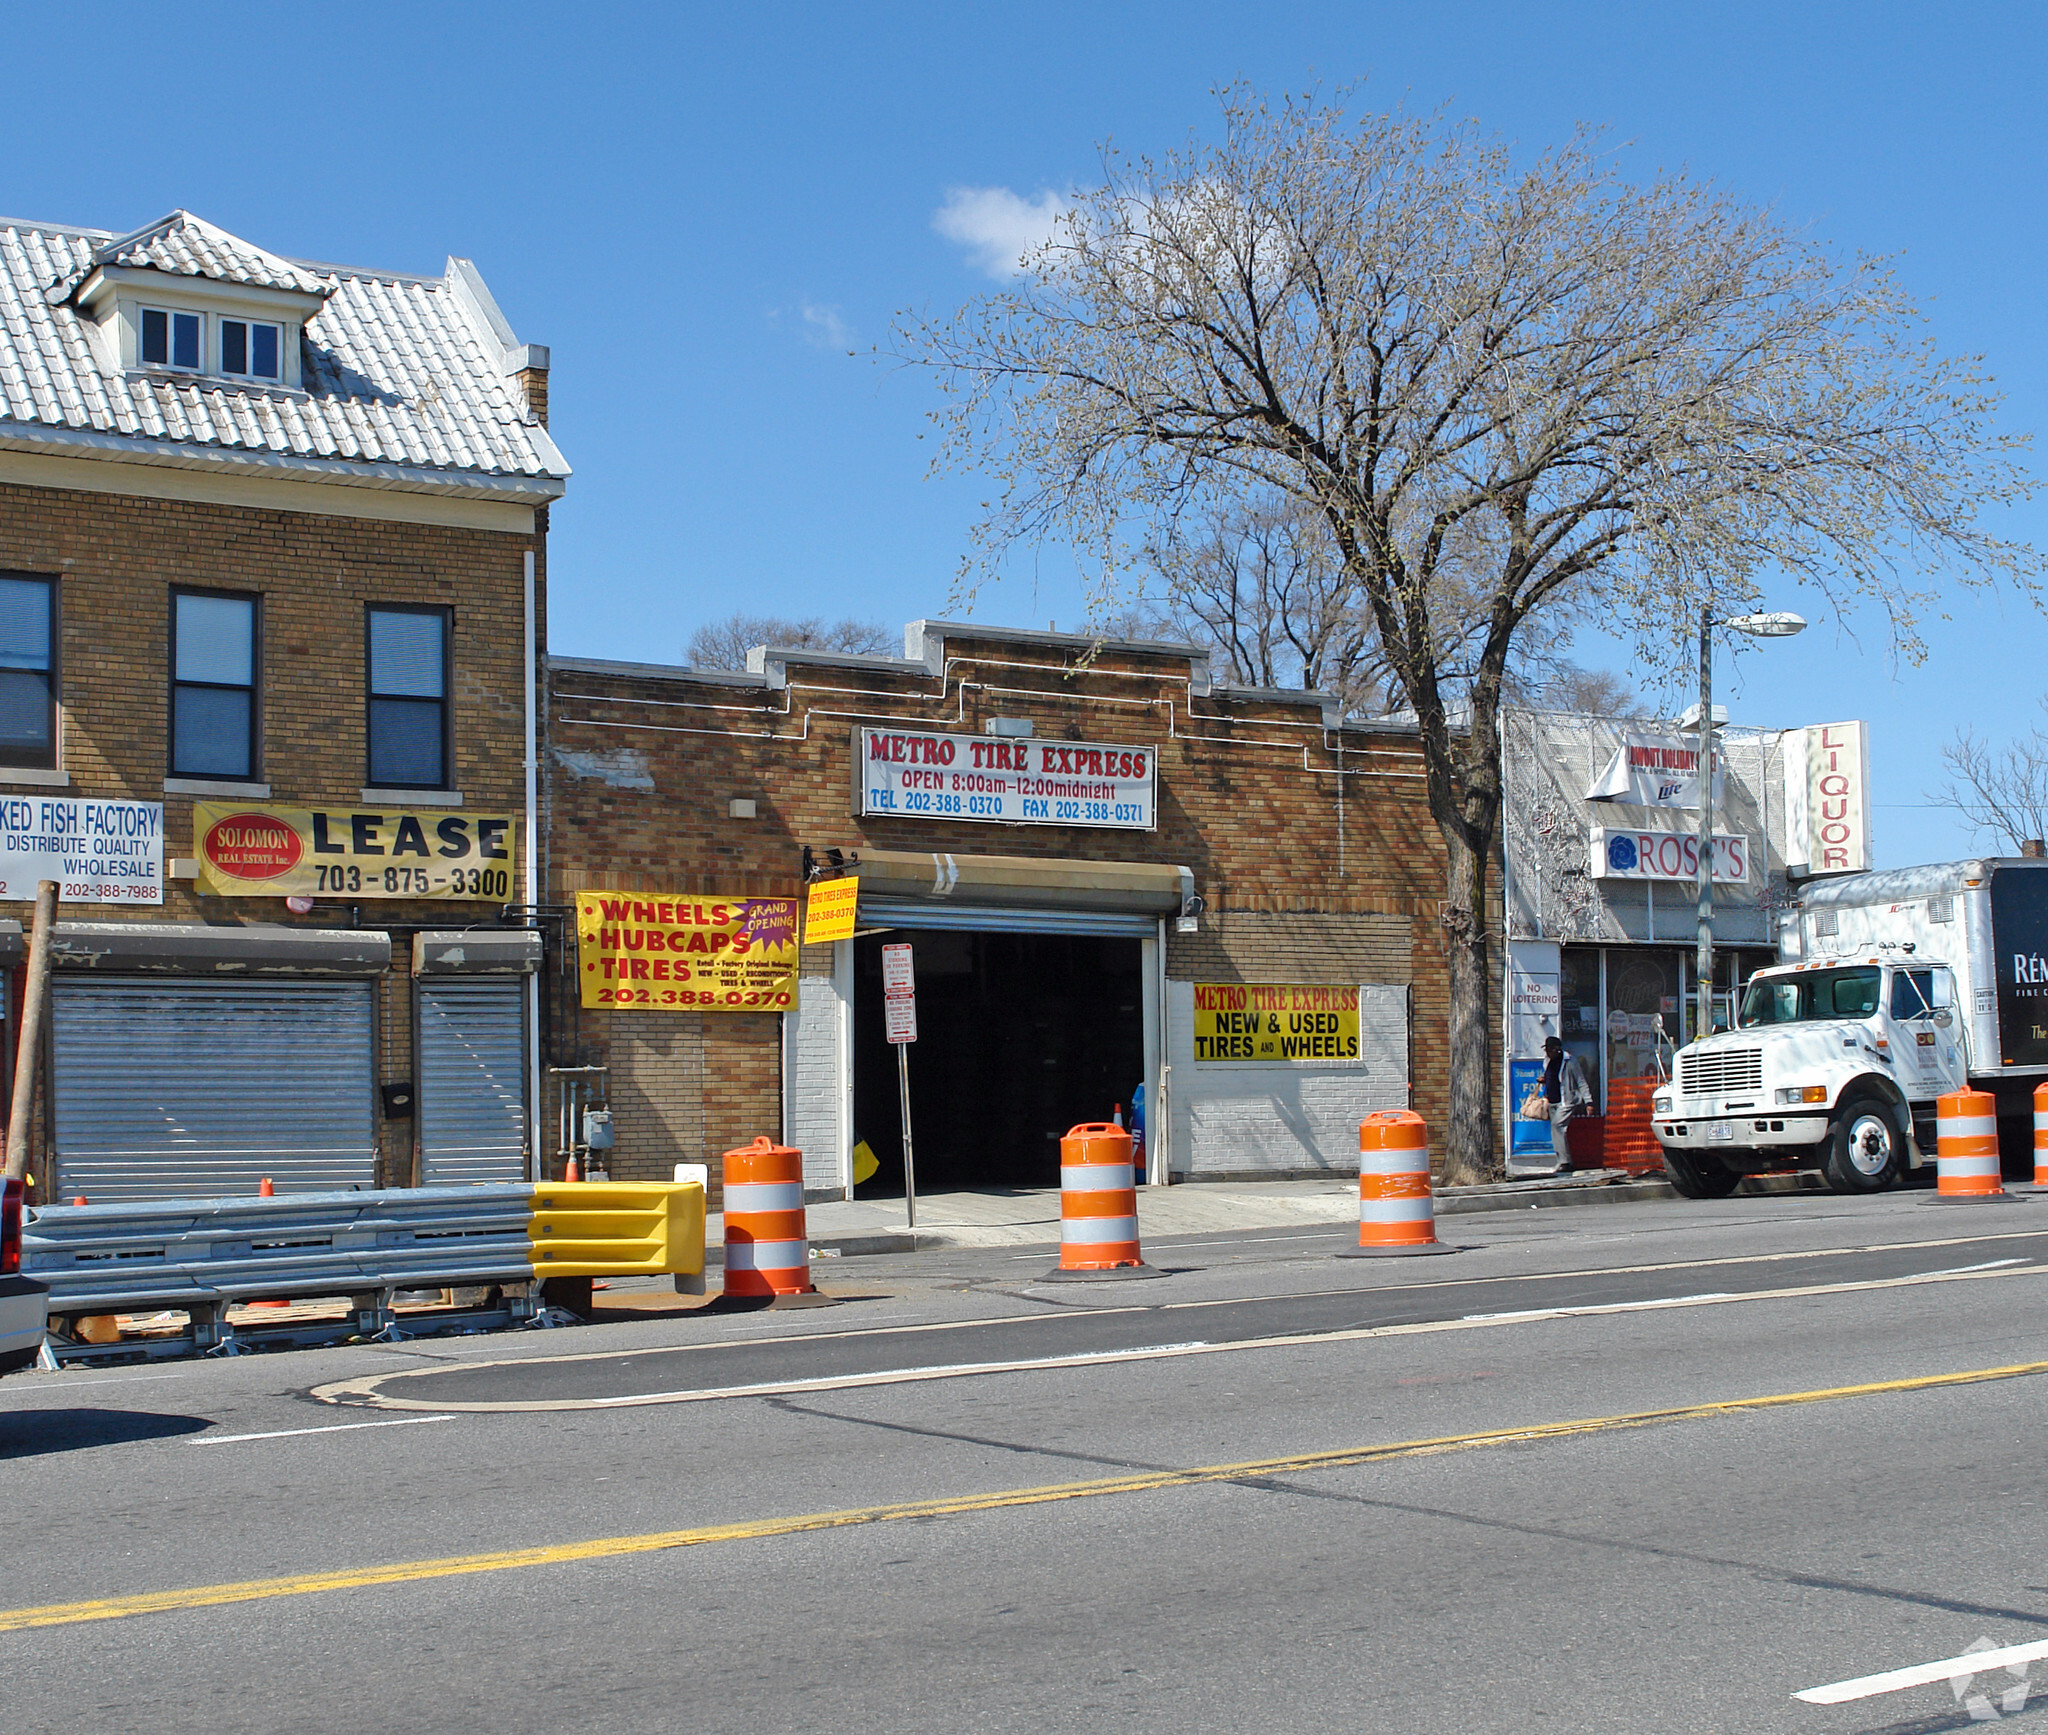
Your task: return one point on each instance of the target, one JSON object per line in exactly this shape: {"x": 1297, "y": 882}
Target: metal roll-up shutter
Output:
{"x": 165, "y": 1088}
{"x": 1004, "y": 919}
{"x": 472, "y": 1081}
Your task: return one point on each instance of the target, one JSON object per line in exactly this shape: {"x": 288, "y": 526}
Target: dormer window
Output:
{"x": 250, "y": 349}
{"x": 170, "y": 339}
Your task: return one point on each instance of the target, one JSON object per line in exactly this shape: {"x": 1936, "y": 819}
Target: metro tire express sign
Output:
{"x": 276, "y": 852}
{"x": 1274, "y": 1022}
{"x": 1004, "y": 781}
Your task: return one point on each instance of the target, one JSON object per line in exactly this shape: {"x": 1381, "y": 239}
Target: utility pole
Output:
{"x": 29, "y": 1039}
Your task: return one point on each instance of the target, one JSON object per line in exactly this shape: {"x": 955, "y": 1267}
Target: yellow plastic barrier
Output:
{"x": 617, "y": 1229}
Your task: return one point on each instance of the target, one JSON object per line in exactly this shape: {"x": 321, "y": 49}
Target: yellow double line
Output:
{"x": 1138, "y": 1482}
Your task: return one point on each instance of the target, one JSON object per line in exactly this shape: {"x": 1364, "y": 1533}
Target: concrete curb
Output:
{"x": 1534, "y": 1196}
{"x": 1503, "y": 1196}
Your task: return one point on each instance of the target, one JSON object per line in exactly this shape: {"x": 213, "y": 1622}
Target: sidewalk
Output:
{"x": 1025, "y": 1218}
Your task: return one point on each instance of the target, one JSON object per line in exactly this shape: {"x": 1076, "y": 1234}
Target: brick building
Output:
{"x": 272, "y": 591}
{"x": 1085, "y": 843}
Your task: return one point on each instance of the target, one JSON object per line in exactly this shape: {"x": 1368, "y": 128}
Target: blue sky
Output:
{"x": 702, "y": 209}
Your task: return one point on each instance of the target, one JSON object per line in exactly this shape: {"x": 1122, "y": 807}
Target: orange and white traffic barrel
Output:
{"x": 767, "y": 1249}
{"x": 2041, "y": 1135}
{"x": 1966, "y": 1146}
{"x": 1396, "y": 1210}
{"x": 1099, "y": 1205}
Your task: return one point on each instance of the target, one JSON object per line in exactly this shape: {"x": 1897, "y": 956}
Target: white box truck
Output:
{"x": 1892, "y": 989}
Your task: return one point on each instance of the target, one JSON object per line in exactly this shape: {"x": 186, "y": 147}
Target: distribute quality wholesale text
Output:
{"x": 96, "y": 851}
{"x": 685, "y": 954}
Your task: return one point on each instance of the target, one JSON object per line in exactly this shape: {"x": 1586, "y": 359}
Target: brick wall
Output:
{"x": 1307, "y": 875}
{"x": 116, "y": 560}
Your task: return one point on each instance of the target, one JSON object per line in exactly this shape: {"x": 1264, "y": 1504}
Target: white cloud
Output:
{"x": 823, "y": 328}
{"x": 998, "y": 227}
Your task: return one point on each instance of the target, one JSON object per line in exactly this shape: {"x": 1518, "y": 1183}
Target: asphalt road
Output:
{"x": 1648, "y": 1467}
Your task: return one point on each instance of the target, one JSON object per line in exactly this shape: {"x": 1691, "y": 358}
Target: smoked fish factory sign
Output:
{"x": 686, "y": 954}
{"x": 98, "y": 852}
{"x": 1004, "y": 780}
{"x": 247, "y": 851}
{"x": 1258, "y": 1023}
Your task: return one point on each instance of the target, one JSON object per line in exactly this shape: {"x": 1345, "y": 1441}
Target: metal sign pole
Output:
{"x": 909, "y": 1164}
{"x": 899, "y": 1009}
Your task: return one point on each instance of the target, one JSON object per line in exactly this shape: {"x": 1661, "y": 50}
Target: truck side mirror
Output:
{"x": 1943, "y": 1018}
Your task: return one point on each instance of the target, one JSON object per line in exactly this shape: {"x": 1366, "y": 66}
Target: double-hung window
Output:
{"x": 408, "y": 698}
{"x": 28, "y": 685}
{"x": 249, "y": 348}
{"x": 170, "y": 339}
{"x": 213, "y": 685}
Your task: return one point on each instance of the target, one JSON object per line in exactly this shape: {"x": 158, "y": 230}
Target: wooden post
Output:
{"x": 29, "y": 1038}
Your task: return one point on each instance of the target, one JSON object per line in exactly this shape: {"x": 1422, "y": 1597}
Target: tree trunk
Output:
{"x": 1467, "y": 1142}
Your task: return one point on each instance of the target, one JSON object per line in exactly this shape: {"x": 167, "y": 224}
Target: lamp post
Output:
{"x": 1756, "y": 626}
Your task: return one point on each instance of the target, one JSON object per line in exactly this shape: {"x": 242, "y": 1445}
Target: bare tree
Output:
{"x": 1999, "y": 790}
{"x": 1546, "y": 384}
{"x": 1263, "y": 587}
{"x": 724, "y": 644}
{"x": 1588, "y": 692}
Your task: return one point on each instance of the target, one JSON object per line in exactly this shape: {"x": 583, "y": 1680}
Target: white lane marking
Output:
{"x": 1988, "y": 1265}
{"x": 1608, "y": 1307}
{"x": 1922, "y": 1674}
{"x": 897, "y": 1376}
{"x": 474, "y": 1357}
{"x": 110, "y": 1380}
{"x": 364, "y": 1390}
{"x": 331, "y": 1428}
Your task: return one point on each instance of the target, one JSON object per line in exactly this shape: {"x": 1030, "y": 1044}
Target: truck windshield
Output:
{"x": 1846, "y": 993}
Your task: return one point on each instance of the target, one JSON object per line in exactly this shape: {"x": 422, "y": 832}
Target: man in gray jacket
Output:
{"x": 1566, "y": 1090}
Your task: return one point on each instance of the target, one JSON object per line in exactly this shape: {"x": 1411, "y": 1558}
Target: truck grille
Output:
{"x": 1723, "y": 1070}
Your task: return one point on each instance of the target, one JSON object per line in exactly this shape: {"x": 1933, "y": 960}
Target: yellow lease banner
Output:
{"x": 254, "y": 850}
{"x": 1274, "y": 1022}
{"x": 686, "y": 954}
{"x": 829, "y": 910}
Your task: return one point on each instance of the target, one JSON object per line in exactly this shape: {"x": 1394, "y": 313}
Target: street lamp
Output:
{"x": 1756, "y": 626}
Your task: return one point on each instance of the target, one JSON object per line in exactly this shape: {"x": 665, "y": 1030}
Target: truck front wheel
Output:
{"x": 1699, "y": 1176}
{"x": 1864, "y": 1148}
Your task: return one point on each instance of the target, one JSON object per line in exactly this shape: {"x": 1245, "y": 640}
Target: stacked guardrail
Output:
{"x": 199, "y": 1257}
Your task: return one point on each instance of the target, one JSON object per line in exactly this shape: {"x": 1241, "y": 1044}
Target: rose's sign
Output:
{"x": 916, "y": 775}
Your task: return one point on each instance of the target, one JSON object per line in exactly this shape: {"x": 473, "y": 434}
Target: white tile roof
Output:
{"x": 402, "y": 375}
{"x": 189, "y": 246}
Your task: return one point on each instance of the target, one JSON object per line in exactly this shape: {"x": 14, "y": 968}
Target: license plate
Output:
{"x": 1722, "y": 1131}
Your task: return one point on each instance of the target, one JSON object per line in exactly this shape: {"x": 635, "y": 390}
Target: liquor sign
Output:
{"x": 254, "y": 850}
{"x": 686, "y": 954}
{"x": 1666, "y": 855}
{"x": 1827, "y": 782}
{"x": 1004, "y": 780}
{"x": 98, "y": 852}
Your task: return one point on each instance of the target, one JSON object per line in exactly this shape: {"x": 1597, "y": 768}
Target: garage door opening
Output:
{"x": 1020, "y": 1036}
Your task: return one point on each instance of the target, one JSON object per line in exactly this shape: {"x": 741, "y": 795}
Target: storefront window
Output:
{"x": 1578, "y": 992}
{"x": 1643, "y": 990}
